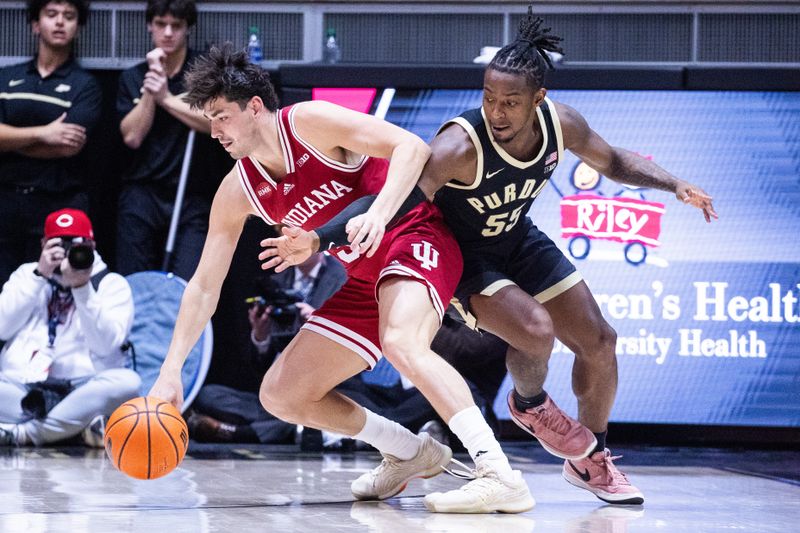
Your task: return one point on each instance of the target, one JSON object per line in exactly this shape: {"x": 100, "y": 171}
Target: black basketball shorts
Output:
{"x": 531, "y": 261}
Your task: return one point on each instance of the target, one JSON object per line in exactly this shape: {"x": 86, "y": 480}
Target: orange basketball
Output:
{"x": 146, "y": 438}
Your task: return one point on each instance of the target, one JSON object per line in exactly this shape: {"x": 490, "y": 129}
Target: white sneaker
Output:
{"x": 485, "y": 494}
{"x": 392, "y": 475}
{"x": 93, "y": 433}
{"x": 435, "y": 429}
{"x": 8, "y": 436}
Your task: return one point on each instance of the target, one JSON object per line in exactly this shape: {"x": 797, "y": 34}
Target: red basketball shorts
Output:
{"x": 420, "y": 248}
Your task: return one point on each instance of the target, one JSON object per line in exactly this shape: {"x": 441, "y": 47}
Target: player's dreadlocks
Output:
{"x": 527, "y": 55}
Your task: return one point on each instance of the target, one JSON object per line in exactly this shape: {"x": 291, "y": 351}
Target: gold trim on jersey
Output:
{"x": 557, "y": 127}
{"x": 468, "y": 318}
{"x": 492, "y": 288}
{"x": 545, "y": 296}
{"x": 37, "y": 98}
{"x": 559, "y": 288}
{"x": 508, "y": 158}
{"x": 476, "y": 142}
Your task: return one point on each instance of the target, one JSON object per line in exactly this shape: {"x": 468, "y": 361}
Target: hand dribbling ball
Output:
{"x": 146, "y": 438}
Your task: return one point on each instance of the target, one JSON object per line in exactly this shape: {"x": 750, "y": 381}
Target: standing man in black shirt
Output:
{"x": 155, "y": 122}
{"x": 48, "y": 107}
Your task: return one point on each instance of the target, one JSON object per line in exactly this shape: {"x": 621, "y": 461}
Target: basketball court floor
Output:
{"x": 241, "y": 488}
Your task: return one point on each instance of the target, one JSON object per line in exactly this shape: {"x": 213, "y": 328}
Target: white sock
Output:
{"x": 19, "y": 433}
{"x": 476, "y": 435}
{"x": 388, "y": 437}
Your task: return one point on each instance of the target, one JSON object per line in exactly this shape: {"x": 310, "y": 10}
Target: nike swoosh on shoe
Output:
{"x": 583, "y": 475}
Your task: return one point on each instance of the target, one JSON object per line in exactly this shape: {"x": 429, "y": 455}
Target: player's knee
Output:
{"x": 536, "y": 331}
{"x": 599, "y": 344}
{"x": 607, "y": 341}
{"x": 279, "y": 407}
{"x": 403, "y": 354}
{"x": 275, "y": 401}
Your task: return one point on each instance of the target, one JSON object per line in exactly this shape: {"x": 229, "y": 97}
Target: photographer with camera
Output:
{"x": 65, "y": 319}
{"x": 284, "y": 302}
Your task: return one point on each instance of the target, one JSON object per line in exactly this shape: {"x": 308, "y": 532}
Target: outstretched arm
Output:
{"x": 337, "y": 132}
{"x": 228, "y": 214}
{"x": 452, "y": 157}
{"x": 624, "y": 166}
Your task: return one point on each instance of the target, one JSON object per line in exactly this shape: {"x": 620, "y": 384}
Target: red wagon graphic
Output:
{"x": 585, "y": 217}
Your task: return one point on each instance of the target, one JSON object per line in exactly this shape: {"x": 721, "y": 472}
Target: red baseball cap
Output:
{"x": 68, "y": 223}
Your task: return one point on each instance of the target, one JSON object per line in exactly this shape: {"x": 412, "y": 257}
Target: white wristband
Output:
{"x": 261, "y": 346}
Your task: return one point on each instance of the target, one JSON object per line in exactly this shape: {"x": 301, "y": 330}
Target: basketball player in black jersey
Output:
{"x": 486, "y": 168}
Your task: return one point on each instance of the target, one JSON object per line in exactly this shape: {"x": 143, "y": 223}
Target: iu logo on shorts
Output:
{"x": 426, "y": 254}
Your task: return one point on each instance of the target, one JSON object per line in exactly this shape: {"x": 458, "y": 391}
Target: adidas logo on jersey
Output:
{"x": 302, "y": 160}
{"x": 287, "y": 187}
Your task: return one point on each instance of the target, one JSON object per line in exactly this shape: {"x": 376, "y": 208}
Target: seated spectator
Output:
{"x": 64, "y": 318}
{"x": 225, "y": 414}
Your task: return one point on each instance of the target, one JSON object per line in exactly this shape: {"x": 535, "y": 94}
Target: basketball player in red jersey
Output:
{"x": 486, "y": 168}
{"x": 307, "y": 167}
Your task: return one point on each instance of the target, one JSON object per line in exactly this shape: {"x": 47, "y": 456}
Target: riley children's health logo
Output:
{"x": 623, "y": 216}
{"x": 615, "y": 219}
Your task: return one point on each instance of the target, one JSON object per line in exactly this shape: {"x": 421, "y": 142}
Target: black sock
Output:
{"x": 244, "y": 434}
{"x": 601, "y": 442}
{"x": 522, "y": 403}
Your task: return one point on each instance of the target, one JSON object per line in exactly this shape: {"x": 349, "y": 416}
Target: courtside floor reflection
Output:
{"x": 277, "y": 488}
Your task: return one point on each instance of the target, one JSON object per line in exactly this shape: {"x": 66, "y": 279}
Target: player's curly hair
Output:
{"x": 35, "y": 7}
{"x": 527, "y": 55}
{"x": 227, "y": 72}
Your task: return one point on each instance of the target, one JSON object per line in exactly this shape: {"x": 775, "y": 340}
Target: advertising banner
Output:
{"x": 707, "y": 315}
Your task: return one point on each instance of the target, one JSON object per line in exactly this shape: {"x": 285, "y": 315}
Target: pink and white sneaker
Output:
{"x": 598, "y": 475}
{"x": 556, "y": 431}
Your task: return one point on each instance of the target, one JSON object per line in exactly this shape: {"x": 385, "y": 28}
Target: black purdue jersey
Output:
{"x": 493, "y": 210}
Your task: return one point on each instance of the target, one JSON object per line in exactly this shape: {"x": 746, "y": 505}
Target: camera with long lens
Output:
{"x": 283, "y": 301}
{"x": 79, "y": 251}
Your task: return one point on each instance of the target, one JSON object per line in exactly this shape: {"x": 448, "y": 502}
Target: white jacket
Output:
{"x": 88, "y": 342}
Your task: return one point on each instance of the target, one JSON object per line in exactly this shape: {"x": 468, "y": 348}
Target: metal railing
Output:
{"x": 634, "y": 32}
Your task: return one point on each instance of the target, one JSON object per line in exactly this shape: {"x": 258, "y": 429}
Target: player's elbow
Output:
{"x": 131, "y": 140}
{"x": 421, "y": 150}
